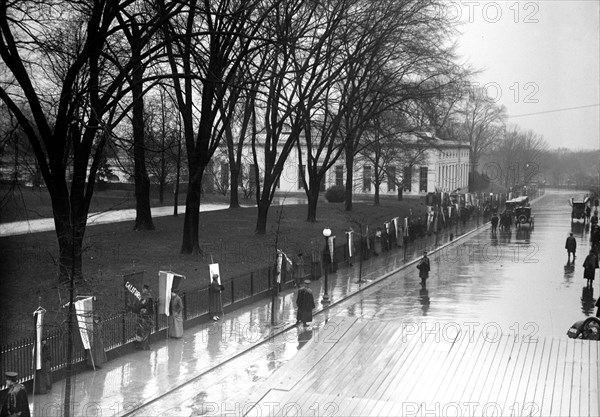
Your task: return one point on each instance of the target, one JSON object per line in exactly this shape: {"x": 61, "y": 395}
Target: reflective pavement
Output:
{"x": 514, "y": 283}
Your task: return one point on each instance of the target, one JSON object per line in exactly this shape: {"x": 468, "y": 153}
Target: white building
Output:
{"x": 443, "y": 166}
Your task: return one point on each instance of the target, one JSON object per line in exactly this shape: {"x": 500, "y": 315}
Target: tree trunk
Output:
{"x": 262, "y": 215}
{"x": 312, "y": 196}
{"x": 143, "y": 219}
{"x": 190, "y": 243}
{"x": 234, "y": 198}
{"x": 400, "y": 193}
{"x": 349, "y": 175}
{"x": 376, "y": 197}
{"x": 176, "y": 191}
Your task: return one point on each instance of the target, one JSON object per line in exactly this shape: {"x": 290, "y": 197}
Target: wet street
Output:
{"x": 516, "y": 284}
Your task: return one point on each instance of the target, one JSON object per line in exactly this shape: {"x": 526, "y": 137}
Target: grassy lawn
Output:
{"x": 28, "y": 269}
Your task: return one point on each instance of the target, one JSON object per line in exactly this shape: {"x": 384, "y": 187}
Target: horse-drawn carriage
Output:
{"x": 580, "y": 209}
{"x": 521, "y": 211}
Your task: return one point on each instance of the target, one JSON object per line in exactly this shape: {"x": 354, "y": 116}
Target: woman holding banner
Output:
{"x": 175, "y": 316}
{"x": 215, "y": 305}
{"x": 145, "y": 312}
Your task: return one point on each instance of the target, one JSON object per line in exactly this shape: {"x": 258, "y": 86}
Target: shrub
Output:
{"x": 336, "y": 194}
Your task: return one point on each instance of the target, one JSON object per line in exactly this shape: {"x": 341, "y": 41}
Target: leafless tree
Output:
{"x": 480, "y": 123}
{"x": 519, "y": 154}
{"x": 214, "y": 40}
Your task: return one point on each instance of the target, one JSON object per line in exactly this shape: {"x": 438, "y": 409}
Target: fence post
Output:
{"x": 251, "y": 284}
{"x": 232, "y": 296}
{"x": 269, "y": 278}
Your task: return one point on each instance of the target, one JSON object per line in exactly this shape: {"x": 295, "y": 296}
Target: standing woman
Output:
{"x": 424, "y": 268}
{"x": 590, "y": 265}
{"x": 215, "y": 304}
{"x": 305, "y": 302}
{"x": 175, "y": 316}
{"x": 145, "y": 312}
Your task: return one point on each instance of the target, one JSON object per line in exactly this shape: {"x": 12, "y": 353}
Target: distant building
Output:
{"x": 442, "y": 166}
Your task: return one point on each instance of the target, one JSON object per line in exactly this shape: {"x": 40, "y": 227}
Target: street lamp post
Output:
{"x": 326, "y": 262}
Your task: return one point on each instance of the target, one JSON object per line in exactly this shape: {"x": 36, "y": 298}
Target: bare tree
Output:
{"x": 214, "y": 39}
{"x": 481, "y": 122}
{"x": 411, "y": 59}
{"x": 519, "y": 154}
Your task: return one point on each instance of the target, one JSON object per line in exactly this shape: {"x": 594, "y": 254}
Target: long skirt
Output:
{"x": 176, "y": 325}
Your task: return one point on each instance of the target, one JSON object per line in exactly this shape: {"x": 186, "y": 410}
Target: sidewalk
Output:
{"x": 132, "y": 380}
{"x": 45, "y": 225}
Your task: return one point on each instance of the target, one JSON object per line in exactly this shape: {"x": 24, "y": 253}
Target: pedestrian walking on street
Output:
{"x": 495, "y": 220}
{"x": 571, "y": 247}
{"x": 424, "y": 268}
{"x": 16, "y": 402}
{"x": 215, "y": 304}
{"x": 175, "y": 316}
{"x": 305, "y": 303}
{"x": 590, "y": 265}
{"x": 145, "y": 321}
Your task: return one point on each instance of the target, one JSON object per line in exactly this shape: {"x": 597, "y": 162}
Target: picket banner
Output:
{"x": 39, "y": 327}
{"x": 84, "y": 309}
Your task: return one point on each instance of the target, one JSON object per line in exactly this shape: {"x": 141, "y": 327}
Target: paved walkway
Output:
{"x": 113, "y": 216}
{"x": 128, "y": 382}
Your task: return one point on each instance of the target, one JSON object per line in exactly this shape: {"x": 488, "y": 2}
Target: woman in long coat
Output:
{"x": 175, "y": 316}
{"x": 424, "y": 268}
{"x": 215, "y": 305}
{"x": 590, "y": 265}
{"x": 305, "y": 303}
{"x": 145, "y": 321}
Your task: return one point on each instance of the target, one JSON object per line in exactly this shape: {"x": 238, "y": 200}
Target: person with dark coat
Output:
{"x": 16, "y": 403}
{"x": 590, "y": 265}
{"x": 145, "y": 319}
{"x": 571, "y": 247}
{"x": 305, "y": 303}
{"x": 215, "y": 304}
{"x": 495, "y": 220}
{"x": 175, "y": 316}
{"x": 424, "y": 268}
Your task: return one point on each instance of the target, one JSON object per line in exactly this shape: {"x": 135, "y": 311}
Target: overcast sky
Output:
{"x": 540, "y": 58}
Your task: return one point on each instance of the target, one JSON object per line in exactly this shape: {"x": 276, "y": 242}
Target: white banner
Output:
{"x": 165, "y": 285}
{"x": 350, "y": 243}
{"x": 279, "y": 261}
{"x": 84, "y": 309}
{"x": 331, "y": 242}
{"x": 212, "y": 270}
{"x": 39, "y": 327}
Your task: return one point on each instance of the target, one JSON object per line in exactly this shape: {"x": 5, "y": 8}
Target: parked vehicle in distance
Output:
{"x": 578, "y": 209}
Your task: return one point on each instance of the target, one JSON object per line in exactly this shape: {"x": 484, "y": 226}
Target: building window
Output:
{"x": 367, "y": 176}
{"x": 407, "y": 179}
{"x": 423, "y": 179}
{"x": 300, "y": 171}
{"x": 391, "y": 177}
{"x": 339, "y": 175}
